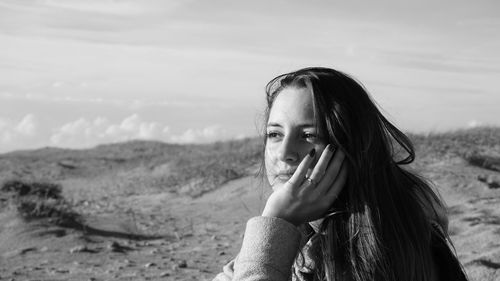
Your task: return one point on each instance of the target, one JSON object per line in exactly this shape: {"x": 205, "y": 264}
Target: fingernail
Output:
{"x": 312, "y": 152}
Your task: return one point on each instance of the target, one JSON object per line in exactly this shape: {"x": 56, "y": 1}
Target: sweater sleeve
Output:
{"x": 267, "y": 253}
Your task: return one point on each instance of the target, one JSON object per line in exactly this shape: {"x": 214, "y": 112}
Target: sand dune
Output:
{"x": 154, "y": 234}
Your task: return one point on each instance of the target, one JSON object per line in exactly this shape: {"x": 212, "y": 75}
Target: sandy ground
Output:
{"x": 191, "y": 239}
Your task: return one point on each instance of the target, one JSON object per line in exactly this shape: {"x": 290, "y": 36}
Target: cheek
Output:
{"x": 269, "y": 163}
{"x": 268, "y": 159}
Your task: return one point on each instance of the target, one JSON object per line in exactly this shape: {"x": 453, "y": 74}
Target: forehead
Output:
{"x": 292, "y": 106}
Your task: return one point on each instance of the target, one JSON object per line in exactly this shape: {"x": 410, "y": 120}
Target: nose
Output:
{"x": 289, "y": 151}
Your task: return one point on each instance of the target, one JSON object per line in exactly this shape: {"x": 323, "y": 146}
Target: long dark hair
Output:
{"x": 381, "y": 230}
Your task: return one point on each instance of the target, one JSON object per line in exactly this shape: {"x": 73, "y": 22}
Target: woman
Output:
{"x": 342, "y": 207}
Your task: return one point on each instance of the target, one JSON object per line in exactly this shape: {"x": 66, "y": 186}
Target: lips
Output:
{"x": 285, "y": 174}
{"x": 283, "y": 177}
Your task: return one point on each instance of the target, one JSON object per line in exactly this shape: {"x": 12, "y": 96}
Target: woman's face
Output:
{"x": 291, "y": 134}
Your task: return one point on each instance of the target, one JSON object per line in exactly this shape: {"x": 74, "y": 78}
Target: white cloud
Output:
{"x": 473, "y": 124}
{"x": 29, "y": 132}
{"x": 207, "y": 134}
{"x": 84, "y": 133}
{"x": 27, "y": 126}
{"x": 18, "y": 132}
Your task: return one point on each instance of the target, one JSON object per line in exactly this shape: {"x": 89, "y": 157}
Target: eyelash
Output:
{"x": 306, "y": 135}
{"x": 271, "y": 135}
{"x": 310, "y": 135}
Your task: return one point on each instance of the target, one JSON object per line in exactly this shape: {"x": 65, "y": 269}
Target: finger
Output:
{"x": 337, "y": 186}
{"x": 321, "y": 166}
{"x": 298, "y": 177}
{"x": 332, "y": 171}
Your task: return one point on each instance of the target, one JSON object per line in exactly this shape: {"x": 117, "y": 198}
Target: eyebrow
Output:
{"x": 305, "y": 125}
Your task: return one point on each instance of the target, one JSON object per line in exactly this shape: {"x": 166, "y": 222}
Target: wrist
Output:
{"x": 272, "y": 214}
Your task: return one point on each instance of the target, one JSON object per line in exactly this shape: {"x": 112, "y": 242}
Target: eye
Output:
{"x": 310, "y": 136}
{"x": 273, "y": 135}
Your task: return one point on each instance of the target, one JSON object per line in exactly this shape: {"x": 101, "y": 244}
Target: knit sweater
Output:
{"x": 268, "y": 251}
{"x": 270, "y": 247}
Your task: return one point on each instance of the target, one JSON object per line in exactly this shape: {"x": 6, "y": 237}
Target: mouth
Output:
{"x": 284, "y": 176}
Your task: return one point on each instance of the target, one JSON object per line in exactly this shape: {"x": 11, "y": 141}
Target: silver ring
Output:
{"x": 311, "y": 181}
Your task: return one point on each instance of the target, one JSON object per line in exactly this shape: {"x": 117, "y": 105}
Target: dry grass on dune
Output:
{"x": 471, "y": 144}
{"x": 39, "y": 200}
{"x": 479, "y": 147}
{"x": 140, "y": 166}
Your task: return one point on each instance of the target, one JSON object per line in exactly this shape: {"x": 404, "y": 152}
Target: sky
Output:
{"x": 75, "y": 74}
